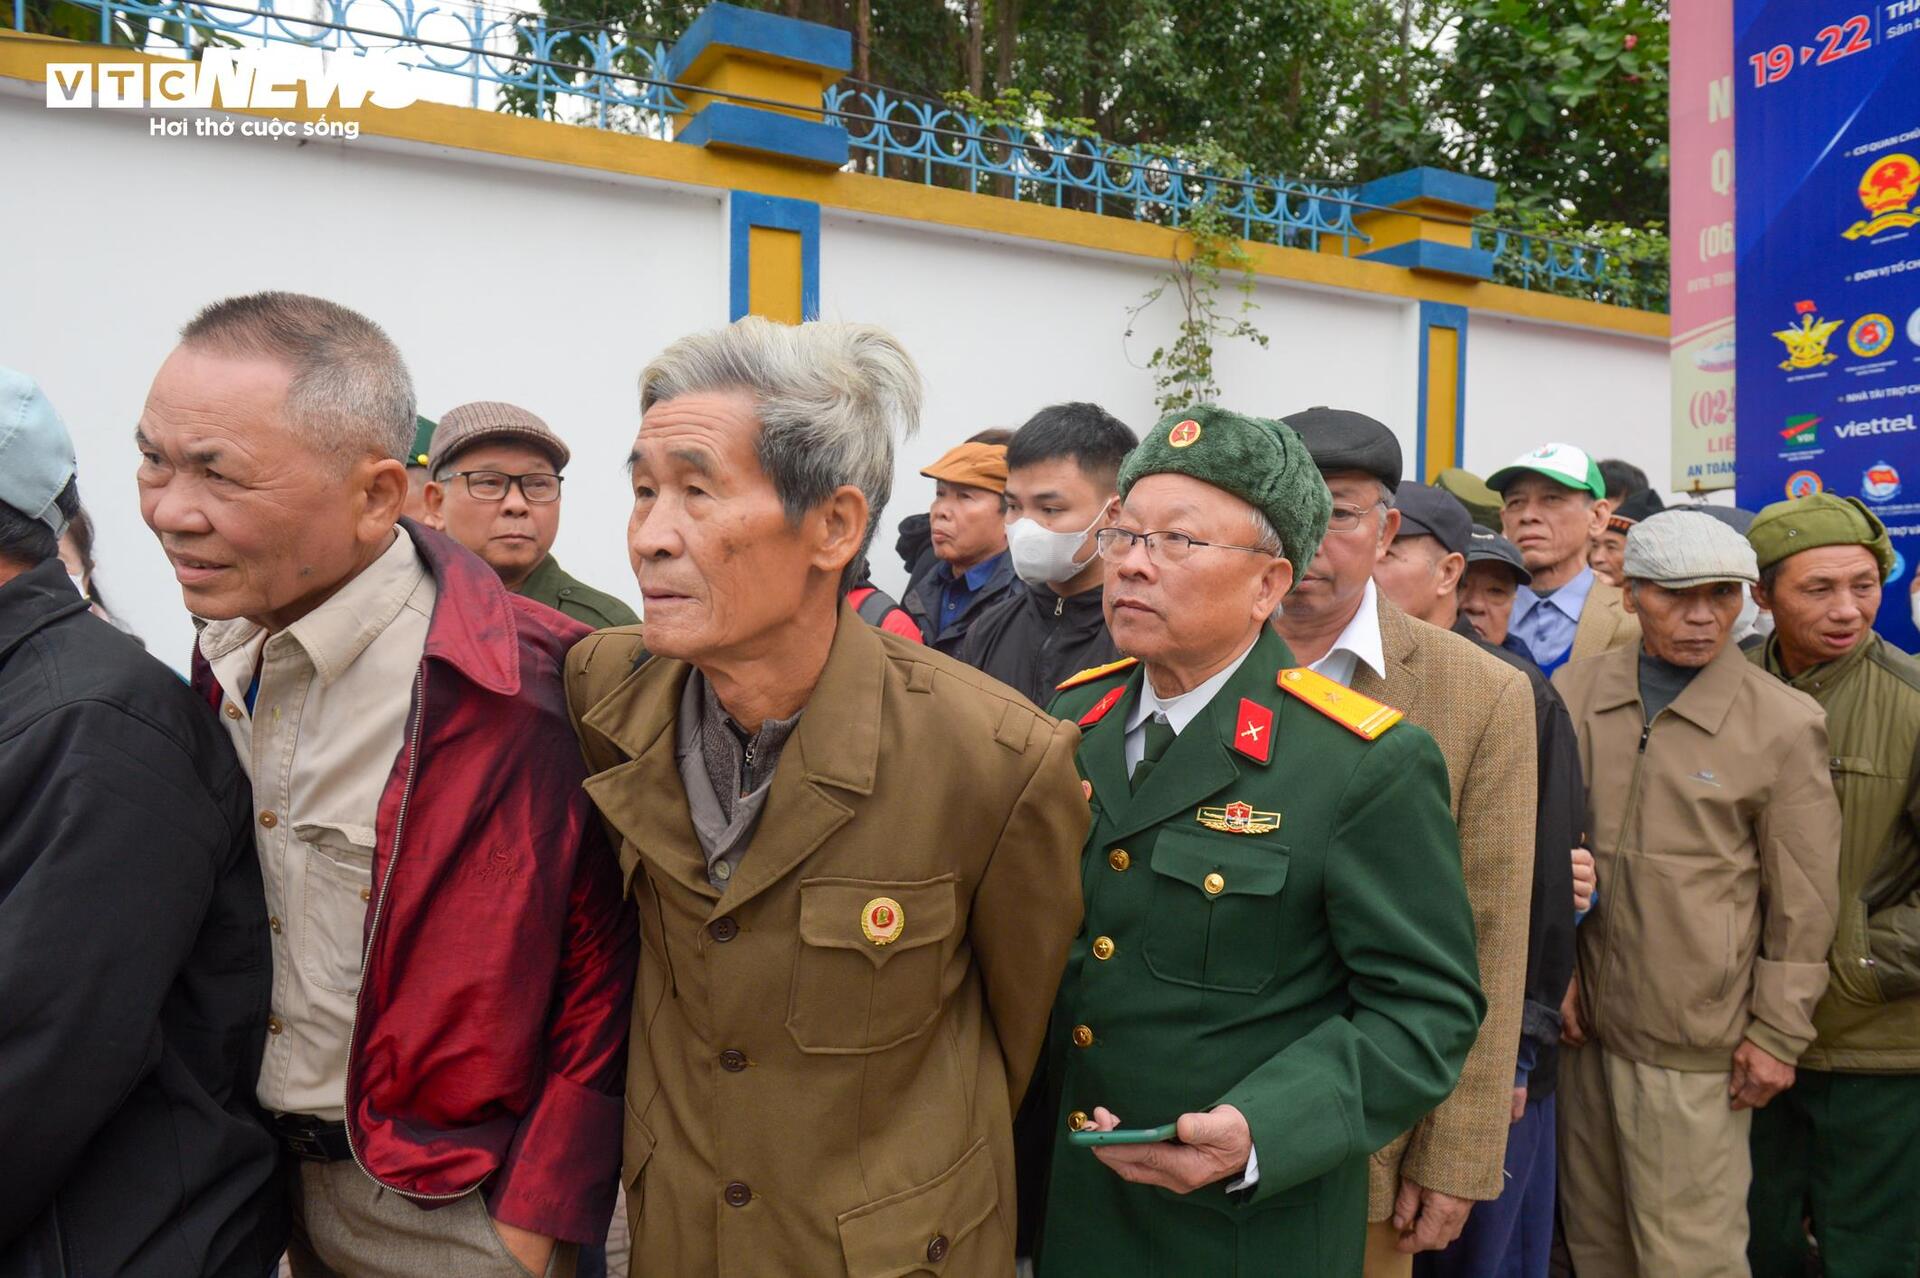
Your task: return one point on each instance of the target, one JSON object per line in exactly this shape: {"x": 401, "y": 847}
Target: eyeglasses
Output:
{"x": 1347, "y": 518}
{"x": 1115, "y": 544}
{"x": 540, "y": 487}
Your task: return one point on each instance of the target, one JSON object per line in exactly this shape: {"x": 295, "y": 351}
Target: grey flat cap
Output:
{"x": 463, "y": 427}
{"x": 1340, "y": 439}
{"x": 1681, "y": 548}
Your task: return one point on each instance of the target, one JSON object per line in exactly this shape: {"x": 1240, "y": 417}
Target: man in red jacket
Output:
{"x": 451, "y": 968}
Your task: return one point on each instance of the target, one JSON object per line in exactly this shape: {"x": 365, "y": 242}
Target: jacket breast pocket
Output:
{"x": 869, "y": 963}
{"x": 1216, "y": 911}
{"x": 339, "y": 885}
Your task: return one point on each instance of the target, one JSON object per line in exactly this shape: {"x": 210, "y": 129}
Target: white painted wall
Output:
{"x": 550, "y": 287}
{"x": 1529, "y": 384}
{"x": 546, "y": 287}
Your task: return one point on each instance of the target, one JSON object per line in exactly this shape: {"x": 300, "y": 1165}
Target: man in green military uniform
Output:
{"x": 496, "y": 490}
{"x": 1841, "y": 1147}
{"x": 1278, "y": 954}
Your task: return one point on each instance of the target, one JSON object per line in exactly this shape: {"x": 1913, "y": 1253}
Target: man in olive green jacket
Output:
{"x": 1278, "y": 959}
{"x": 1715, "y": 831}
{"x": 1842, "y": 1147}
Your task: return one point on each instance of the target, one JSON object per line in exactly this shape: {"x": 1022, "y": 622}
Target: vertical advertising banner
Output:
{"x": 1700, "y": 110}
{"x": 1827, "y": 128}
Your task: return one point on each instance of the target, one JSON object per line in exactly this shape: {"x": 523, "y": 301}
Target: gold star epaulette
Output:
{"x": 1359, "y": 714}
{"x": 1098, "y": 672}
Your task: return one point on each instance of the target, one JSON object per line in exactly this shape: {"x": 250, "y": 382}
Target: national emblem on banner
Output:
{"x": 1887, "y": 189}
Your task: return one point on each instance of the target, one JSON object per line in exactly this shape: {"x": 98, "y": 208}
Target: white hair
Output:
{"x": 832, "y": 399}
{"x": 350, "y": 395}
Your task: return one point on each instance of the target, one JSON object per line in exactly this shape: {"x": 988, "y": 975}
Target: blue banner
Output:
{"x": 1827, "y": 278}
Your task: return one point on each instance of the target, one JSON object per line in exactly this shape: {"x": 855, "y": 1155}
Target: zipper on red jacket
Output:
{"x": 373, "y": 928}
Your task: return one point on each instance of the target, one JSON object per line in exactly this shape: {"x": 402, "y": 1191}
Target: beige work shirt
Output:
{"x": 328, "y": 721}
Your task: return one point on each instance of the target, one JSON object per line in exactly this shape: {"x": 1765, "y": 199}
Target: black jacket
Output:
{"x": 922, "y": 602}
{"x": 1557, "y": 831}
{"x": 1033, "y": 639}
{"x": 134, "y": 968}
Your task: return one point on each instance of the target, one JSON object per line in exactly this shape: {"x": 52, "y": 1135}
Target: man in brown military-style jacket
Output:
{"x": 855, "y": 861}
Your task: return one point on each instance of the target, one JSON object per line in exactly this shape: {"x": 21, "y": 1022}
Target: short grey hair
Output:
{"x": 1265, "y": 536}
{"x": 351, "y": 393}
{"x": 832, "y": 399}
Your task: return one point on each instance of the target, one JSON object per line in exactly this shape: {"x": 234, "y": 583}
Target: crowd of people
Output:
{"x": 1228, "y": 856}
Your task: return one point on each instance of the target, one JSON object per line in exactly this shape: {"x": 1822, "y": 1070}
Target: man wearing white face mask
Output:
{"x": 1061, "y": 468}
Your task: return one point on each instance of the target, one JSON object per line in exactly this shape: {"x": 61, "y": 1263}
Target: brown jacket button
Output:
{"x": 733, "y": 1061}
{"x": 738, "y": 1195}
{"x": 723, "y": 929}
{"x": 937, "y": 1249}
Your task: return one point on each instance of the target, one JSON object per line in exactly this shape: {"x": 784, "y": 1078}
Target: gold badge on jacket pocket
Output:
{"x": 882, "y": 921}
{"x": 1238, "y": 818}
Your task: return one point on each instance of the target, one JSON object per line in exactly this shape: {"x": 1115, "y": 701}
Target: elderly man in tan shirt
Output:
{"x": 451, "y": 969}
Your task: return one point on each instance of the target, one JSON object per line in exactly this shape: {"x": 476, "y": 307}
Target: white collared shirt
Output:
{"x": 1178, "y": 711}
{"x": 327, "y": 723}
{"x": 1358, "y": 644}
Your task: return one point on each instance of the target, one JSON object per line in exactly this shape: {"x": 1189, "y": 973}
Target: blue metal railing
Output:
{"x": 578, "y": 74}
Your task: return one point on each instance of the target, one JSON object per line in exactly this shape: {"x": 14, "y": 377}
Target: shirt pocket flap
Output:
{"x": 350, "y": 843}
{"x": 1220, "y": 865}
{"x": 877, "y": 918}
{"x": 920, "y": 1230}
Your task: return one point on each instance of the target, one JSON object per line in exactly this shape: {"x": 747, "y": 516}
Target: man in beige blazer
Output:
{"x": 856, "y": 862}
{"x": 1479, "y": 710}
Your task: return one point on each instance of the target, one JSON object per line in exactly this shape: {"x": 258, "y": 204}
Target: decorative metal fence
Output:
{"x": 497, "y": 59}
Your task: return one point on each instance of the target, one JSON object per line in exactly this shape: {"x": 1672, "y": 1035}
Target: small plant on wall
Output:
{"x": 1207, "y": 250}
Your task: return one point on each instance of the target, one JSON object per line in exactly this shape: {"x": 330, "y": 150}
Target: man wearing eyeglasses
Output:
{"x": 496, "y": 490}
{"x": 1277, "y": 962}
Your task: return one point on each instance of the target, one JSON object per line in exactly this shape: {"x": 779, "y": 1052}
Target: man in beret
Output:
{"x": 1842, "y": 1147}
{"x": 971, "y": 569}
{"x": 1610, "y": 543}
{"x": 1554, "y": 503}
{"x": 1715, "y": 831}
{"x": 1480, "y": 713}
{"x": 1514, "y": 1233}
{"x": 1255, "y": 971}
{"x": 417, "y": 473}
{"x": 496, "y": 490}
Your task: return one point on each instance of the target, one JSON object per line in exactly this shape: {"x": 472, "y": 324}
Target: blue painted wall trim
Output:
{"x": 1443, "y": 259}
{"x": 767, "y": 132}
{"x": 773, "y": 34}
{"x": 1441, "y": 315}
{"x": 1429, "y": 184}
{"x": 746, "y": 210}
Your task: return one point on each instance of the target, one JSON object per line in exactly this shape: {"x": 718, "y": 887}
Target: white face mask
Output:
{"x": 1042, "y": 556}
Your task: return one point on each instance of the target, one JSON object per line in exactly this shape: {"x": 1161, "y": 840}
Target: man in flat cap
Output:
{"x": 1554, "y": 503}
{"x": 1480, "y": 713}
{"x": 1421, "y": 573}
{"x": 1277, "y": 963}
{"x": 1716, "y": 834}
{"x": 971, "y": 569}
{"x": 1842, "y": 1147}
{"x": 496, "y": 490}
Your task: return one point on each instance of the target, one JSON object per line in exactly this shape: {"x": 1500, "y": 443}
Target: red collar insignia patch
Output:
{"x": 1253, "y": 731}
{"x": 1101, "y": 707}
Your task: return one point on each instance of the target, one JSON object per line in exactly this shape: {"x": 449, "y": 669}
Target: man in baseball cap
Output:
{"x": 133, "y": 930}
{"x": 1495, "y": 572}
{"x": 1716, "y": 836}
{"x": 417, "y": 474}
{"x": 971, "y": 569}
{"x": 1553, "y": 504}
{"x": 1842, "y": 1146}
{"x": 496, "y": 490}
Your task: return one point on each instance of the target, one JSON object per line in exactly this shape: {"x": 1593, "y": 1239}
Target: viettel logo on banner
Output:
{"x": 262, "y": 79}
{"x": 1887, "y": 188}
